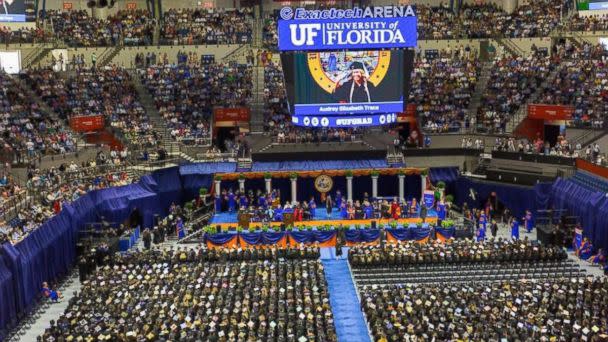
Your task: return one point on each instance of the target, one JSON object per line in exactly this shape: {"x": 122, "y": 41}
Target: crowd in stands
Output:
{"x": 529, "y": 310}
{"x": 581, "y": 81}
{"x": 531, "y": 19}
{"x": 441, "y": 88}
{"x": 592, "y": 23}
{"x": 51, "y": 188}
{"x": 409, "y": 253}
{"x": 77, "y": 28}
{"x": 188, "y": 295}
{"x": 107, "y": 91}
{"x": 512, "y": 82}
{"x": 187, "y": 26}
{"x": 26, "y": 130}
{"x": 562, "y": 148}
{"x": 186, "y": 94}
{"x": 270, "y": 34}
{"x": 23, "y": 35}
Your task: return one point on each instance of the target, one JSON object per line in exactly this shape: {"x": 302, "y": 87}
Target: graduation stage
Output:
{"x": 228, "y": 220}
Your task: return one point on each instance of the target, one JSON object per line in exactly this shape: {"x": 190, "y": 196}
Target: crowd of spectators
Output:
{"x": 270, "y": 34}
{"x": 50, "y": 189}
{"x": 23, "y": 35}
{"x": 562, "y": 147}
{"x": 592, "y": 23}
{"x": 581, "y": 81}
{"x": 26, "y": 130}
{"x": 566, "y": 309}
{"x": 530, "y": 19}
{"x": 187, "y": 26}
{"x": 441, "y": 88}
{"x": 185, "y": 94}
{"x": 128, "y": 27}
{"x": 107, "y": 91}
{"x": 186, "y": 295}
{"x": 513, "y": 80}
{"x": 409, "y": 253}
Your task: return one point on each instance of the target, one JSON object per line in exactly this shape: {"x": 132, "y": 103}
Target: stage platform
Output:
{"x": 227, "y": 220}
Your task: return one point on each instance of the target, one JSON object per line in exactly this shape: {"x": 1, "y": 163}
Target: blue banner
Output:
{"x": 349, "y": 108}
{"x": 357, "y": 28}
{"x": 344, "y": 121}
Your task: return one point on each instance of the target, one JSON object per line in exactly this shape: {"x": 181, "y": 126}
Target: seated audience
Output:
{"x": 567, "y": 309}
{"x": 78, "y": 29}
{"x": 441, "y": 88}
{"x": 512, "y": 81}
{"x": 186, "y": 94}
{"x": 410, "y": 253}
{"x": 188, "y": 26}
{"x": 177, "y": 295}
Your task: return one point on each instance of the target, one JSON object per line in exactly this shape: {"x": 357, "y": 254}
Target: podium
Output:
{"x": 244, "y": 220}
{"x": 288, "y": 219}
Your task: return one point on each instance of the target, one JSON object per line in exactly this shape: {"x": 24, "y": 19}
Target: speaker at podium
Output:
{"x": 288, "y": 219}
{"x": 244, "y": 220}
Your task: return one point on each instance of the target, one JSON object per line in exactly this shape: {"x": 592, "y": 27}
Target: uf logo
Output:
{"x": 306, "y": 35}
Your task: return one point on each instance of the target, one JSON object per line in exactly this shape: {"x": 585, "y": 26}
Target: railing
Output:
{"x": 11, "y": 206}
{"x": 534, "y": 158}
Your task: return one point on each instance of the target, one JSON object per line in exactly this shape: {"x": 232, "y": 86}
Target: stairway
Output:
{"x": 108, "y": 55}
{"x": 344, "y": 301}
{"x": 480, "y": 88}
{"x": 509, "y": 46}
{"x": 156, "y": 119}
{"x": 34, "y": 57}
{"x": 257, "y": 101}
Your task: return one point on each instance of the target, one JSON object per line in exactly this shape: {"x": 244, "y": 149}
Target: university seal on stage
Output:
{"x": 324, "y": 183}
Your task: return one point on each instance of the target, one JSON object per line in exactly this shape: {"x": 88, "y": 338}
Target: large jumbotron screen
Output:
{"x": 347, "y": 67}
{"x": 347, "y": 88}
{"x": 17, "y": 10}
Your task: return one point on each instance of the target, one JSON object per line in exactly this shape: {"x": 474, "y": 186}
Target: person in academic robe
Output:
{"x": 528, "y": 221}
{"x": 481, "y": 233}
{"x": 514, "y": 229}
{"x": 599, "y": 257}
{"x": 586, "y": 249}
{"x": 395, "y": 209}
{"x": 329, "y": 205}
{"x": 413, "y": 208}
{"x": 368, "y": 210}
{"x": 494, "y": 228}
{"x": 180, "y": 228}
{"x": 343, "y": 210}
{"x": 231, "y": 201}
{"x": 339, "y": 199}
{"x": 441, "y": 211}
{"x": 423, "y": 211}
{"x": 312, "y": 205}
{"x": 262, "y": 201}
{"x": 243, "y": 201}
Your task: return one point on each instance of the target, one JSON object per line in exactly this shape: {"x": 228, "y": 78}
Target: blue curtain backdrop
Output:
{"x": 8, "y": 311}
{"x": 590, "y": 206}
{"x": 517, "y": 198}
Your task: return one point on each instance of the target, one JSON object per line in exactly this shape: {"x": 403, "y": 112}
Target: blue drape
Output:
{"x": 589, "y": 206}
{"x": 8, "y": 310}
{"x": 517, "y": 198}
{"x": 262, "y": 238}
{"x": 363, "y": 235}
{"x": 221, "y": 238}
{"x": 446, "y": 232}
